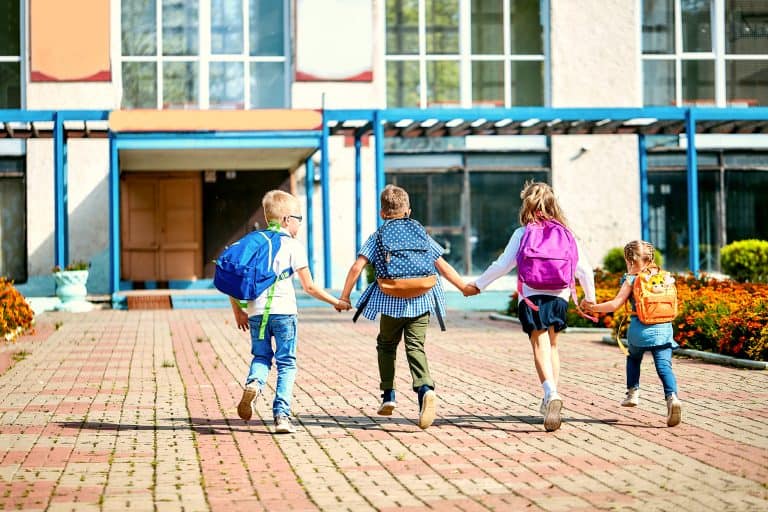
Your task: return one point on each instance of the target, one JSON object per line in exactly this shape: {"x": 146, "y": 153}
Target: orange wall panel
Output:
{"x": 69, "y": 41}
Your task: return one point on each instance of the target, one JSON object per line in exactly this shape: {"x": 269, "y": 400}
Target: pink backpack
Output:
{"x": 547, "y": 260}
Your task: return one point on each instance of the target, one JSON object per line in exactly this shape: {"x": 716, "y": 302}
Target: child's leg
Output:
{"x": 390, "y": 332}
{"x": 634, "y": 359}
{"x": 542, "y": 355}
{"x": 554, "y": 355}
{"x": 662, "y": 359}
{"x": 415, "y": 334}
{"x": 261, "y": 349}
{"x": 284, "y": 329}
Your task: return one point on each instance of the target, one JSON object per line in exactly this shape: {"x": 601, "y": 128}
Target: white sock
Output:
{"x": 549, "y": 388}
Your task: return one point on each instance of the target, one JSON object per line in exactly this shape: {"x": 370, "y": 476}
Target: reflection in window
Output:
{"x": 487, "y": 27}
{"x": 268, "y": 85}
{"x": 180, "y": 85}
{"x": 139, "y": 85}
{"x": 13, "y": 219}
{"x": 10, "y": 84}
{"x": 658, "y": 26}
{"x": 488, "y": 84}
{"x": 659, "y": 82}
{"x": 443, "y": 83}
{"x": 402, "y": 27}
{"x": 526, "y": 32}
{"x": 139, "y": 27}
{"x": 267, "y": 29}
{"x": 226, "y": 27}
{"x": 442, "y": 26}
{"x": 746, "y": 27}
{"x": 699, "y": 81}
{"x": 527, "y": 79}
{"x": 180, "y": 20}
{"x": 10, "y": 55}
{"x": 697, "y": 25}
{"x": 403, "y": 83}
{"x": 747, "y": 82}
{"x": 226, "y": 86}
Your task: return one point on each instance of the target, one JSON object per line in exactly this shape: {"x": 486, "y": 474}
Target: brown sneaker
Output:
{"x": 552, "y": 417}
{"x": 674, "y": 410}
{"x": 245, "y": 407}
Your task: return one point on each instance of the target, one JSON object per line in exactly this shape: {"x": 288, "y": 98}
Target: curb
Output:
{"x": 707, "y": 357}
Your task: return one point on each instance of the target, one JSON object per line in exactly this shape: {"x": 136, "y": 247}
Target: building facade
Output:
{"x": 179, "y": 208}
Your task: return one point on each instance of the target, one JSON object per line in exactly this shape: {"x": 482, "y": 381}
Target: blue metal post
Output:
{"x": 325, "y": 187}
{"x": 358, "y": 203}
{"x": 693, "y": 192}
{"x": 309, "y": 166}
{"x": 114, "y": 216}
{"x": 645, "y": 229}
{"x": 378, "y": 133}
{"x": 61, "y": 226}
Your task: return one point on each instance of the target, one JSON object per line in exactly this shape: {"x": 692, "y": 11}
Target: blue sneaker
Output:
{"x": 427, "y": 406}
{"x": 388, "y": 403}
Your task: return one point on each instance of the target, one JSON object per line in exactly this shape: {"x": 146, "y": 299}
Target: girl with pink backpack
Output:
{"x": 548, "y": 259}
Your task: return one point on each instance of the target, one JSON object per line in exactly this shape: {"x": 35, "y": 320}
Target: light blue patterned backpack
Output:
{"x": 404, "y": 263}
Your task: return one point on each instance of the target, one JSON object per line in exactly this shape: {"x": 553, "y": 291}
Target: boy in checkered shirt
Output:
{"x": 401, "y": 316}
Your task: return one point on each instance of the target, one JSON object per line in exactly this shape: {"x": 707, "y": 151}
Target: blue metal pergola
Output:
{"x": 381, "y": 123}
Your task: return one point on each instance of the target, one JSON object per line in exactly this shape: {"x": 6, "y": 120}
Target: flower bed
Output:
{"x": 15, "y": 314}
{"x": 720, "y": 316}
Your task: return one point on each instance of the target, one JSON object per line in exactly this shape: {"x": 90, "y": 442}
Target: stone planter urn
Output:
{"x": 71, "y": 291}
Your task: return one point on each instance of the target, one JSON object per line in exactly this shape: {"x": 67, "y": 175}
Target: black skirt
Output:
{"x": 552, "y": 313}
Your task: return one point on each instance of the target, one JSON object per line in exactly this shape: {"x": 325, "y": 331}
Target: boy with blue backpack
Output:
{"x": 548, "y": 258}
{"x": 258, "y": 268}
{"x": 406, "y": 291}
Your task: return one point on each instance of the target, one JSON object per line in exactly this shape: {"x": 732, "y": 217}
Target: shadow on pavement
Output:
{"x": 201, "y": 426}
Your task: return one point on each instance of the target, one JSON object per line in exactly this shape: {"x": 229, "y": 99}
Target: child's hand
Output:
{"x": 587, "y": 306}
{"x": 470, "y": 290}
{"x": 241, "y": 319}
{"x": 342, "y": 305}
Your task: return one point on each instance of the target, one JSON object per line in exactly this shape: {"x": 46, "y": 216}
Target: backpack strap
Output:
{"x": 285, "y": 274}
{"x": 439, "y": 315}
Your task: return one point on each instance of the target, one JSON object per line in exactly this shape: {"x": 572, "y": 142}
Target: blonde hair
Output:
{"x": 278, "y": 204}
{"x": 639, "y": 252}
{"x": 539, "y": 203}
{"x": 394, "y": 202}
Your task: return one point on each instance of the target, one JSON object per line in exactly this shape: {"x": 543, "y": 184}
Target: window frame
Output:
{"x": 465, "y": 58}
{"x": 205, "y": 56}
{"x": 717, "y": 56}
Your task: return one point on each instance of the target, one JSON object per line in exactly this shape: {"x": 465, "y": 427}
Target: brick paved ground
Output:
{"x": 124, "y": 410}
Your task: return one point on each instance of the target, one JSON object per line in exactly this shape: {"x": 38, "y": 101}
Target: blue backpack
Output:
{"x": 405, "y": 265}
{"x": 245, "y": 269}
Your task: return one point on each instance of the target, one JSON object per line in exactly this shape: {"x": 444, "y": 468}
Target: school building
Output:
{"x": 140, "y": 135}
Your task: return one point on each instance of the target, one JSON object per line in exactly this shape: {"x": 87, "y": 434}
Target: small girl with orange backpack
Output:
{"x": 653, "y": 297}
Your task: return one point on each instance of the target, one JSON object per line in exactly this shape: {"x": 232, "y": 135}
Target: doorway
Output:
{"x": 161, "y": 226}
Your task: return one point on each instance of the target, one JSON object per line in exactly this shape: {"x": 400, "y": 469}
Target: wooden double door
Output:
{"x": 161, "y": 235}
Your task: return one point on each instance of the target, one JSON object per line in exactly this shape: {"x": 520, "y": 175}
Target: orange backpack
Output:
{"x": 655, "y": 296}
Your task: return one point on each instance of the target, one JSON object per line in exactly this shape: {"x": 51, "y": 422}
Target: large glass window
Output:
{"x": 468, "y": 208}
{"x": 223, "y": 54}
{"x": 13, "y": 219}
{"x": 691, "y": 58}
{"x": 464, "y": 53}
{"x": 732, "y": 188}
{"x": 10, "y": 54}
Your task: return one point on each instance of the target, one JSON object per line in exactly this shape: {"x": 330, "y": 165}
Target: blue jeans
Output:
{"x": 662, "y": 359}
{"x": 284, "y": 329}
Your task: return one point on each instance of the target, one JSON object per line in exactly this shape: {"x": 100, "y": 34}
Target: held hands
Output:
{"x": 342, "y": 305}
{"x": 470, "y": 289}
{"x": 587, "y": 307}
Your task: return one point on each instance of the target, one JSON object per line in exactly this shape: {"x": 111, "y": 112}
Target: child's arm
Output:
{"x": 309, "y": 286}
{"x": 615, "y": 303}
{"x": 241, "y": 317}
{"x": 503, "y": 264}
{"x": 447, "y": 271}
{"x": 354, "y": 273}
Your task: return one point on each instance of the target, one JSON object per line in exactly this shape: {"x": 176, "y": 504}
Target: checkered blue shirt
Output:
{"x": 396, "y": 307}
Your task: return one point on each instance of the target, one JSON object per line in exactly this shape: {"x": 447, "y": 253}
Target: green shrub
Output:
{"x": 613, "y": 262}
{"x": 746, "y": 260}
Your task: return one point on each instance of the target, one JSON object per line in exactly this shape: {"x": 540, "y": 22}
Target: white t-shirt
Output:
{"x": 508, "y": 260}
{"x": 291, "y": 255}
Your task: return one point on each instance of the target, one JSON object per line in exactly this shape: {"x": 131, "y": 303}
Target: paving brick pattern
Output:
{"x": 136, "y": 410}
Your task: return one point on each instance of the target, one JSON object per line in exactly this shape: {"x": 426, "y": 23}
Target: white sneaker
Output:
{"x": 543, "y": 407}
{"x": 632, "y": 398}
{"x": 674, "y": 410}
{"x": 552, "y": 417}
{"x": 283, "y": 425}
{"x": 245, "y": 407}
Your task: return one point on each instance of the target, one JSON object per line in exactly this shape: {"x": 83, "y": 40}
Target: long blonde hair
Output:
{"x": 639, "y": 252}
{"x": 539, "y": 203}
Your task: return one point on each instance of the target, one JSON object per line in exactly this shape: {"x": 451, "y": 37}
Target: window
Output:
{"x": 732, "y": 188}
{"x": 10, "y": 54}
{"x": 219, "y": 54}
{"x": 705, "y": 52}
{"x": 463, "y": 199}
{"x": 464, "y": 53}
{"x": 13, "y": 219}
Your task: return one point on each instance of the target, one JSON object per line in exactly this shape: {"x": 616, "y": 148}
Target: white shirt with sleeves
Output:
{"x": 508, "y": 261}
{"x": 291, "y": 255}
